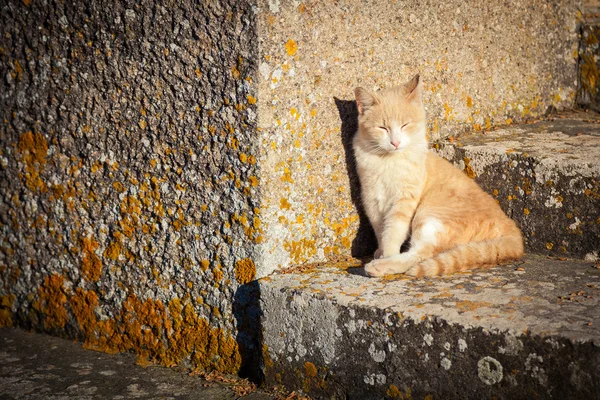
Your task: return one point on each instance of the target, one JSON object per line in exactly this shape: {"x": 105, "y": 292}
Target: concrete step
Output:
{"x": 545, "y": 175}
{"x": 41, "y": 367}
{"x": 528, "y": 330}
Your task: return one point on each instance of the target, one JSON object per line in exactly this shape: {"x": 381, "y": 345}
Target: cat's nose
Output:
{"x": 395, "y": 143}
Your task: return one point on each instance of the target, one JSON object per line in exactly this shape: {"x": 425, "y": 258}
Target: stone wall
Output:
{"x": 483, "y": 64}
{"x": 128, "y": 188}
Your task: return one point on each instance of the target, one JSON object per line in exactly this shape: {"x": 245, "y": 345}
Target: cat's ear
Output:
{"x": 364, "y": 99}
{"x": 414, "y": 88}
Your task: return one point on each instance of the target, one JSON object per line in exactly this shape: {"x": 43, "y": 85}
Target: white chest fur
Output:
{"x": 385, "y": 180}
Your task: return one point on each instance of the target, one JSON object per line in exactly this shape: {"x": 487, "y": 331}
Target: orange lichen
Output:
{"x": 18, "y": 70}
{"x": 6, "y": 313}
{"x": 468, "y": 305}
{"x": 51, "y": 302}
{"x": 218, "y": 273}
{"x": 158, "y": 334}
{"x": 97, "y": 333}
{"x": 251, "y": 99}
{"x": 589, "y": 74}
{"x": 91, "y": 265}
{"x": 268, "y": 362}
{"x": 393, "y": 391}
{"x": 33, "y": 149}
{"x": 310, "y": 369}
{"x": 245, "y": 271}
{"x": 113, "y": 250}
{"x": 291, "y": 47}
{"x": 284, "y": 204}
{"x": 204, "y": 264}
{"x": 468, "y": 169}
{"x": 300, "y": 250}
{"x": 210, "y": 348}
{"x": 118, "y": 186}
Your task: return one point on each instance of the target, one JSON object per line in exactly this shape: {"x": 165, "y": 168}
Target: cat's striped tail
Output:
{"x": 464, "y": 257}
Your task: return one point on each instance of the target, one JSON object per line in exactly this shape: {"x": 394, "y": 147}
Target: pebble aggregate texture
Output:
{"x": 129, "y": 203}
{"x": 483, "y": 64}
{"x": 545, "y": 176}
{"x": 520, "y": 331}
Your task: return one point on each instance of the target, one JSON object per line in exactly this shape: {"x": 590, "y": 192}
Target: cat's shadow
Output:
{"x": 365, "y": 242}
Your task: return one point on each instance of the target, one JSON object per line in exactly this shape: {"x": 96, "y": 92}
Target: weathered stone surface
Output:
{"x": 128, "y": 197}
{"x": 545, "y": 176}
{"x": 483, "y": 64}
{"x": 34, "y": 366}
{"x": 528, "y": 330}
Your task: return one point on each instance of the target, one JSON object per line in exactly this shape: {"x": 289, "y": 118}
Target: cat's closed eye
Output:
{"x": 384, "y": 128}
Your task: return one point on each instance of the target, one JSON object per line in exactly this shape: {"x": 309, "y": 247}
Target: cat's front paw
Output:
{"x": 377, "y": 268}
{"x": 398, "y": 264}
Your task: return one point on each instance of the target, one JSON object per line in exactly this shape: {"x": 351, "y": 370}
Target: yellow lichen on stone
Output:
{"x": 245, "y": 271}
{"x": 157, "y": 334}
{"x": 589, "y": 74}
{"x": 310, "y": 369}
{"x": 18, "y": 70}
{"x": 393, "y": 391}
{"x": 217, "y": 273}
{"x": 118, "y": 186}
{"x": 291, "y": 47}
{"x": 51, "y": 302}
{"x": 210, "y": 348}
{"x": 91, "y": 265}
{"x": 300, "y": 250}
{"x": 204, "y": 264}
{"x": 6, "y": 313}
{"x": 33, "y": 149}
{"x": 468, "y": 169}
{"x": 113, "y": 250}
{"x": 284, "y": 204}
{"x": 266, "y": 356}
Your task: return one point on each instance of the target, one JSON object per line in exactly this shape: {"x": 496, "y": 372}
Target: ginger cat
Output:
{"x": 408, "y": 190}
